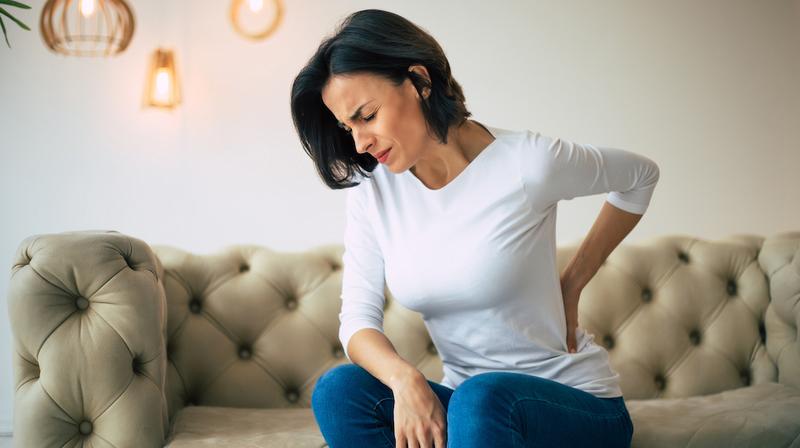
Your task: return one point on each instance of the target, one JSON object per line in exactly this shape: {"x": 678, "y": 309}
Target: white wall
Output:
{"x": 708, "y": 89}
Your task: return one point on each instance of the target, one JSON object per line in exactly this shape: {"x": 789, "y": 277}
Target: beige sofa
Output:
{"x": 118, "y": 343}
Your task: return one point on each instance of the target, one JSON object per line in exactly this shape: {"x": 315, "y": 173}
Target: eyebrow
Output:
{"x": 358, "y": 111}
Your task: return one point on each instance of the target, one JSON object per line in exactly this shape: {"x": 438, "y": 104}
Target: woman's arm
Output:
{"x": 363, "y": 300}
{"x": 611, "y": 227}
{"x": 373, "y": 351}
{"x": 555, "y": 169}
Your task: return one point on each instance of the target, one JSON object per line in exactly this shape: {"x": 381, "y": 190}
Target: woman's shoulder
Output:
{"x": 514, "y": 136}
{"x": 369, "y": 185}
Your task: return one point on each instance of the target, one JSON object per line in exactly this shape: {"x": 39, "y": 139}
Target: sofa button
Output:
{"x": 291, "y": 304}
{"x": 292, "y": 396}
{"x": 432, "y": 349}
{"x": 194, "y": 306}
{"x": 683, "y": 256}
{"x": 244, "y": 353}
{"x": 745, "y": 376}
{"x": 243, "y": 267}
{"x": 82, "y": 303}
{"x": 694, "y": 337}
{"x": 608, "y": 341}
{"x": 661, "y": 382}
{"x": 647, "y": 295}
{"x": 85, "y": 427}
{"x": 731, "y": 287}
{"x": 338, "y": 352}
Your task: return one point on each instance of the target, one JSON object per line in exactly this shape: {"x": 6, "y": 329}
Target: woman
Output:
{"x": 457, "y": 218}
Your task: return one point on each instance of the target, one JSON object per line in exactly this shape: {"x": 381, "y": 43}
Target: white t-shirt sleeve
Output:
{"x": 555, "y": 169}
{"x": 363, "y": 272}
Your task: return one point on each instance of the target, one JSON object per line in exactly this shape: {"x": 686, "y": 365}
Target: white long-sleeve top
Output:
{"x": 477, "y": 258}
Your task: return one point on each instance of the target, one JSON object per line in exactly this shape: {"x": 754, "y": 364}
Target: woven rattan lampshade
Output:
{"x": 87, "y": 27}
{"x": 250, "y": 18}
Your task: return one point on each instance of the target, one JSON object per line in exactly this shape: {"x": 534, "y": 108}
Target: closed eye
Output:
{"x": 348, "y": 130}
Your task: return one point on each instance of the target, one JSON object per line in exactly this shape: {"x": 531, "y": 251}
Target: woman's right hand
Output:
{"x": 420, "y": 420}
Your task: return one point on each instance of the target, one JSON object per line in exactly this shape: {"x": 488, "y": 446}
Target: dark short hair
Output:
{"x": 381, "y": 43}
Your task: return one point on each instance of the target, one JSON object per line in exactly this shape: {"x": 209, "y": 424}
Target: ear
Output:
{"x": 421, "y": 71}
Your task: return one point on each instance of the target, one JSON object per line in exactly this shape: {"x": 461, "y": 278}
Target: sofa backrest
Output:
{"x": 679, "y": 316}
{"x": 249, "y": 326}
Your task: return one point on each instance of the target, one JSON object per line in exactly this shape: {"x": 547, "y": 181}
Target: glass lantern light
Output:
{"x": 162, "y": 88}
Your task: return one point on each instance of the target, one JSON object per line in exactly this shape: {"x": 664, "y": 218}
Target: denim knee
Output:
{"x": 331, "y": 380}
{"x": 334, "y": 381}
{"x": 480, "y": 385}
{"x": 476, "y": 393}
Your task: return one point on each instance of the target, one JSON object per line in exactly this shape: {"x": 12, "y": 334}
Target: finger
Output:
{"x": 411, "y": 440}
{"x": 400, "y": 440}
{"x": 571, "y": 339}
{"x": 571, "y": 324}
{"x": 439, "y": 440}
{"x": 423, "y": 438}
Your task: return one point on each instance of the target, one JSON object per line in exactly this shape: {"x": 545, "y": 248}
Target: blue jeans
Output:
{"x": 492, "y": 409}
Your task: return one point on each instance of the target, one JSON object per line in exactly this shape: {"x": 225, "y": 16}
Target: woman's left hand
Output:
{"x": 571, "y": 295}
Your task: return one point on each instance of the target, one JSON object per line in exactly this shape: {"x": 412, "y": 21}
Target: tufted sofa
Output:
{"x": 118, "y": 343}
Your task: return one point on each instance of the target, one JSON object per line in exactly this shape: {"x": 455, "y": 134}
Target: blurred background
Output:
{"x": 709, "y": 89}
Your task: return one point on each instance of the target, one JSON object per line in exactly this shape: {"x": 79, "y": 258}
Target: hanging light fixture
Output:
{"x": 251, "y": 19}
{"x": 87, "y": 27}
{"x": 162, "y": 87}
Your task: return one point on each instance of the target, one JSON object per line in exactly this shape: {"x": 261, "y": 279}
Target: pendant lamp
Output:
{"x": 162, "y": 87}
{"x": 87, "y": 27}
{"x": 252, "y": 18}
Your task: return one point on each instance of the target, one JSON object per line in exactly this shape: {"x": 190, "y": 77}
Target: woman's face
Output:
{"x": 391, "y": 116}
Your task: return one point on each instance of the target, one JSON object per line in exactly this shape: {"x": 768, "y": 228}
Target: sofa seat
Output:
{"x": 224, "y": 427}
{"x": 762, "y": 415}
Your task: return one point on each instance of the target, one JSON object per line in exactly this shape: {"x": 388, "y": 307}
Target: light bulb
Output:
{"x": 87, "y": 7}
{"x": 163, "y": 85}
{"x": 255, "y": 5}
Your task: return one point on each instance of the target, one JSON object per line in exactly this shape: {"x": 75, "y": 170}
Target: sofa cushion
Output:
{"x": 766, "y": 414}
{"x": 760, "y": 415}
{"x": 225, "y": 427}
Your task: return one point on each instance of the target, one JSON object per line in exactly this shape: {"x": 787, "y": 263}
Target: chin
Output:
{"x": 389, "y": 168}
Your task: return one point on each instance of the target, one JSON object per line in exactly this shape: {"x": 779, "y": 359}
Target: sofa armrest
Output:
{"x": 88, "y": 318}
{"x": 780, "y": 260}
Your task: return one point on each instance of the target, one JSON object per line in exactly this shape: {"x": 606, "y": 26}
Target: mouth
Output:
{"x": 382, "y": 155}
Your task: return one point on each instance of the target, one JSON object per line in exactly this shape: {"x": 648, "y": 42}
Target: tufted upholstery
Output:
{"x": 87, "y": 312}
{"x": 118, "y": 343}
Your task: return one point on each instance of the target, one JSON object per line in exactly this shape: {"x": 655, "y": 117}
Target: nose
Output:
{"x": 362, "y": 144}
